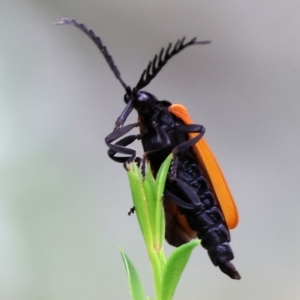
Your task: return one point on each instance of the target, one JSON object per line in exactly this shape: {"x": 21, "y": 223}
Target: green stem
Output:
{"x": 157, "y": 273}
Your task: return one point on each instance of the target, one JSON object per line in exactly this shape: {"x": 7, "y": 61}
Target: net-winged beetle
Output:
{"x": 197, "y": 200}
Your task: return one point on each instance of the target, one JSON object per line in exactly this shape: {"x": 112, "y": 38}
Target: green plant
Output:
{"x": 147, "y": 194}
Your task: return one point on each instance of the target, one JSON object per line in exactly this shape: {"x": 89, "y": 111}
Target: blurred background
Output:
{"x": 64, "y": 203}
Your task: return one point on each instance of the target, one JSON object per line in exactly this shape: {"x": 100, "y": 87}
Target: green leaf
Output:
{"x": 140, "y": 203}
{"x": 162, "y": 175}
{"x": 151, "y": 201}
{"x": 174, "y": 268}
{"x": 135, "y": 284}
{"x": 150, "y": 179}
{"x": 160, "y": 186}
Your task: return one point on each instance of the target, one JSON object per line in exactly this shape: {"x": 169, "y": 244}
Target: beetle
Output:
{"x": 197, "y": 200}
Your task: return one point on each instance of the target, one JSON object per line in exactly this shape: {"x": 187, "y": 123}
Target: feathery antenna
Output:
{"x": 98, "y": 43}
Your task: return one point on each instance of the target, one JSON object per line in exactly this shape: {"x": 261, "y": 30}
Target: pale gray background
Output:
{"x": 63, "y": 209}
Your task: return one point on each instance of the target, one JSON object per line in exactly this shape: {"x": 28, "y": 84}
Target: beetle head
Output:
{"x": 143, "y": 102}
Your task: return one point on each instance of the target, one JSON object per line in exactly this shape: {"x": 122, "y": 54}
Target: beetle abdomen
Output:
{"x": 206, "y": 219}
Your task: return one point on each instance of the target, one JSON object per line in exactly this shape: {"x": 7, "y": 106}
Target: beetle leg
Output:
{"x": 119, "y": 132}
{"x": 178, "y": 201}
{"x": 120, "y": 146}
{"x": 189, "y": 128}
{"x": 192, "y": 200}
{"x": 186, "y": 128}
{"x": 164, "y": 141}
{"x": 165, "y": 145}
{"x": 163, "y": 135}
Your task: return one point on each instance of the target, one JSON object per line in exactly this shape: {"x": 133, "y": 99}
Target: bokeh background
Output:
{"x": 64, "y": 204}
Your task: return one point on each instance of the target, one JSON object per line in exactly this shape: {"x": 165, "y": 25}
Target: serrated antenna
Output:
{"x": 98, "y": 43}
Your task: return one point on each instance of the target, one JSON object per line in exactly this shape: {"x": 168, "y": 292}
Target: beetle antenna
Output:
{"x": 98, "y": 43}
{"x": 162, "y": 58}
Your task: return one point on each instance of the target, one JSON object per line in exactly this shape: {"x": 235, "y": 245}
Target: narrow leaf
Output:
{"x": 135, "y": 284}
{"x": 160, "y": 185}
{"x": 151, "y": 201}
{"x": 140, "y": 203}
{"x": 162, "y": 175}
{"x": 149, "y": 177}
{"x": 174, "y": 268}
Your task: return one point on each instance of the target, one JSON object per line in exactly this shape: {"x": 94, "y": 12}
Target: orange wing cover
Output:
{"x": 211, "y": 169}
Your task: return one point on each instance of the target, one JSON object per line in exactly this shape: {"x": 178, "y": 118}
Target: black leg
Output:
{"x": 191, "y": 201}
{"x": 166, "y": 143}
{"x": 190, "y": 128}
{"x": 120, "y": 146}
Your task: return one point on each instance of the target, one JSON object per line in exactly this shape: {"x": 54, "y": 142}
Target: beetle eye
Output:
{"x": 126, "y": 98}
